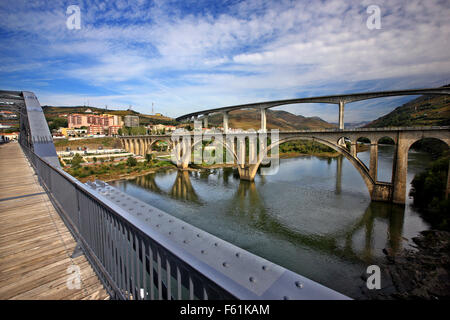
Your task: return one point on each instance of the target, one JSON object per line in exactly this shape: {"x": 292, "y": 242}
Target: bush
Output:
{"x": 131, "y": 161}
{"x": 77, "y": 160}
{"x": 428, "y": 191}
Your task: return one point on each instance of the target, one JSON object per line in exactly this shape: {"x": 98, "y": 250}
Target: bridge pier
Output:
{"x": 247, "y": 172}
{"x": 263, "y": 120}
{"x": 182, "y": 154}
{"x": 138, "y": 146}
{"x": 132, "y": 150}
{"x": 225, "y": 121}
{"x": 382, "y": 191}
{"x": 341, "y": 121}
{"x": 353, "y": 150}
{"x": 373, "y": 161}
{"x": 399, "y": 170}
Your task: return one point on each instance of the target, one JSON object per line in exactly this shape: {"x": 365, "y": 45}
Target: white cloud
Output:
{"x": 253, "y": 50}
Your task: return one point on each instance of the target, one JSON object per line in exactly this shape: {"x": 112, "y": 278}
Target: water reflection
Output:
{"x": 248, "y": 207}
{"x": 339, "y": 174}
{"x": 314, "y": 216}
{"x": 181, "y": 188}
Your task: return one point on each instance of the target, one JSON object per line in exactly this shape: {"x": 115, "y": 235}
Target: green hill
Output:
{"x": 423, "y": 111}
{"x": 276, "y": 119}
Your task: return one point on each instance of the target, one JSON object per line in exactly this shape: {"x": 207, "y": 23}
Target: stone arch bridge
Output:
{"x": 141, "y": 145}
{"x": 393, "y": 191}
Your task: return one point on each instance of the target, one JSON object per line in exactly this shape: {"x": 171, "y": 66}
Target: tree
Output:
{"x": 149, "y": 157}
{"x": 77, "y": 160}
{"x": 131, "y": 161}
{"x": 95, "y": 160}
{"x": 57, "y": 123}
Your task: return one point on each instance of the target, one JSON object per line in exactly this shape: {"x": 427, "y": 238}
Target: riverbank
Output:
{"x": 111, "y": 173}
{"x": 419, "y": 273}
{"x": 107, "y": 177}
{"x": 288, "y": 155}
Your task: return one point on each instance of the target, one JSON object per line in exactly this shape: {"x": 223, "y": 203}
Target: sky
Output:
{"x": 186, "y": 56}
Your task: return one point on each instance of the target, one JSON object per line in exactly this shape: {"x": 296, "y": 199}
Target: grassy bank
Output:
{"x": 110, "y": 172}
{"x": 132, "y": 168}
{"x": 92, "y": 143}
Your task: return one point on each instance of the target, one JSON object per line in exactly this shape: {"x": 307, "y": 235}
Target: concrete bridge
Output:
{"x": 390, "y": 191}
{"x": 339, "y": 100}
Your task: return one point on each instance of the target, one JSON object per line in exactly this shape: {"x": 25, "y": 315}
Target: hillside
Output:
{"x": 423, "y": 111}
{"x": 251, "y": 119}
{"x": 144, "y": 119}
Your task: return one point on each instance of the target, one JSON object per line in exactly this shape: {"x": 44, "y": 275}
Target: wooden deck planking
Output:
{"x": 35, "y": 244}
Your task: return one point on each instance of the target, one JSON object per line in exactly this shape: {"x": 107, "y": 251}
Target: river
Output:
{"x": 314, "y": 216}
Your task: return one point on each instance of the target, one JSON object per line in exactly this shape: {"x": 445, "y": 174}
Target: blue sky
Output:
{"x": 190, "y": 55}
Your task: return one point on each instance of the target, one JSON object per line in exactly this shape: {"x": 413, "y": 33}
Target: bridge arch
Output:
{"x": 155, "y": 140}
{"x": 363, "y": 142}
{"x": 225, "y": 143}
{"x": 435, "y": 136}
{"x": 342, "y": 150}
{"x": 445, "y": 143}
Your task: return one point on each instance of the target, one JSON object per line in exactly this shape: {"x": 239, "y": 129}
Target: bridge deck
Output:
{"x": 35, "y": 244}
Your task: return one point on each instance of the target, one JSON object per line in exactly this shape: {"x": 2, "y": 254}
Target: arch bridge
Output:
{"x": 403, "y": 137}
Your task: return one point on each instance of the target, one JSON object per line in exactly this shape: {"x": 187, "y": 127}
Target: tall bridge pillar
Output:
{"x": 373, "y": 161}
{"x": 341, "y": 115}
{"x": 205, "y": 121}
{"x": 263, "y": 120}
{"x": 399, "y": 170}
{"x": 225, "y": 121}
{"x": 341, "y": 121}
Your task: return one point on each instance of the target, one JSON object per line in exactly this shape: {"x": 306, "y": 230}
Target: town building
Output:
{"x": 160, "y": 128}
{"x": 113, "y": 130}
{"x": 8, "y": 114}
{"x": 9, "y": 136}
{"x": 95, "y": 124}
{"x": 95, "y": 129}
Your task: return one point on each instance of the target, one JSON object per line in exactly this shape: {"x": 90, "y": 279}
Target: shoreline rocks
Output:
{"x": 419, "y": 273}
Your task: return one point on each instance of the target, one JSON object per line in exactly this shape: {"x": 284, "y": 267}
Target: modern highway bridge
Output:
{"x": 136, "y": 250}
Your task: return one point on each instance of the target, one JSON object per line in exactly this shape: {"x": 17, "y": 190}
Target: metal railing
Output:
{"x": 140, "y": 252}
